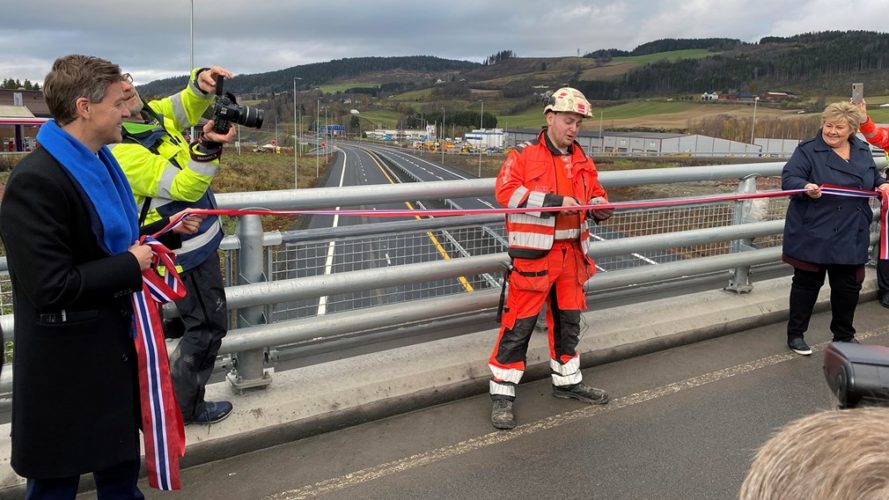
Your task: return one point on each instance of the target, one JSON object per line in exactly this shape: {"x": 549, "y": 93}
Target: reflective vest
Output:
{"x": 526, "y": 178}
{"x": 165, "y": 180}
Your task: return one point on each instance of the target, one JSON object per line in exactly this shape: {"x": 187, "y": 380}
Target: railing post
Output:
{"x": 745, "y": 211}
{"x": 248, "y": 367}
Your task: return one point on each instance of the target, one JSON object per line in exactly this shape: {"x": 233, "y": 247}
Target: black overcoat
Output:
{"x": 75, "y": 405}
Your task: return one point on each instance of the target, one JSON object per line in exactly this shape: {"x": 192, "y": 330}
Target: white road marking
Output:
{"x": 328, "y": 263}
{"x": 494, "y": 438}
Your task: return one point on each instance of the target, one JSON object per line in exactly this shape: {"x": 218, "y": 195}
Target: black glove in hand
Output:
{"x": 600, "y": 214}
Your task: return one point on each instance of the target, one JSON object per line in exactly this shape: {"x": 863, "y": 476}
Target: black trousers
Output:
{"x": 114, "y": 483}
{"x": 883, "y": 278}
{"x": 205, "y": 317}
{"x": 845, "y": 285}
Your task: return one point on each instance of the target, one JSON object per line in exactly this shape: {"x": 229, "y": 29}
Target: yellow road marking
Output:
{"x": 463, "y": 281}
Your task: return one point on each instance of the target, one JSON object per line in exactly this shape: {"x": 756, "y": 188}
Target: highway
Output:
{"x": 369, "y": 164}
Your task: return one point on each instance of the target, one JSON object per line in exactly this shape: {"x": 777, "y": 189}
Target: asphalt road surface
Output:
{"x": 682, "y": 424}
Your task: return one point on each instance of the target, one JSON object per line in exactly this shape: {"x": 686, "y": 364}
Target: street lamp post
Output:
{"x": 317, "y": 134}
{"x": 296, "y": 127}
{"x": 753, "y": 124}
{"x": 481, "y": 127}
{"x": 191, "y": 43}
{"x": 441, "y": 139}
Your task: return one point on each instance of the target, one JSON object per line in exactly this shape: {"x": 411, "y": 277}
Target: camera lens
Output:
{"x": 250, "y": 117}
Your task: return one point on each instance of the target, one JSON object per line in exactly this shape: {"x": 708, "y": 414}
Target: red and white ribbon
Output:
{"x": 163, "y": 432}
{"x": 667, "y": 202}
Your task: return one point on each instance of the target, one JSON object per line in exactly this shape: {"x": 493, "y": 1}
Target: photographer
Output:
{"x": 168, "y": 175}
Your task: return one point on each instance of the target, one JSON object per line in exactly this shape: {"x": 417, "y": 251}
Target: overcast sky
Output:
{"x": 150, "y": 39}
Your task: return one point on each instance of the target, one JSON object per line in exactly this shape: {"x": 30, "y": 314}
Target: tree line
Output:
{"x": 15, "y": 84}
{"x": 500, "y": 56}
{"x": 316, "y": 73}
{"x": 468, "y": 119}
{"x": 669, "y": 45}
{"x": 824, "y": 62}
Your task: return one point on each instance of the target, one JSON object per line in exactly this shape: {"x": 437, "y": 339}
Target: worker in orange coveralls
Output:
{"x": 879, "y": 137}
{"x": 549, "y": 254}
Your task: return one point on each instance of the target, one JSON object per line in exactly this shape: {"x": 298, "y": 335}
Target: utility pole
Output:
{"x": 753, "y": 125}
{"x": 441, "y": 139}
{"x": 295, "y": 136}
{"x": 481, "y": 127}
{"x": 191, "y": 36}
{"x": 317, "y": 134}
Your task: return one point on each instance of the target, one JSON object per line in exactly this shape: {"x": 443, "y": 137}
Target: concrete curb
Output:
{"x": 320, "y": 398}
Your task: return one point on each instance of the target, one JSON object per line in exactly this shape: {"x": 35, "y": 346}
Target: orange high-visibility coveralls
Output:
{"x": 549, "y": 259}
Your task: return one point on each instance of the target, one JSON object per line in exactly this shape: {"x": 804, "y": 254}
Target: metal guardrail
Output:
{"x": 732, "y": 238}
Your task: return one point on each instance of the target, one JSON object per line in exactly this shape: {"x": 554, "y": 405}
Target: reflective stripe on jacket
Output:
{"x": 526, "y": 178}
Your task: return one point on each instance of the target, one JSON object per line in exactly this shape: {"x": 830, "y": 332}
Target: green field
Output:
{"x": 333, "y": 88}
{"x": 373, "y": 119}
{"x": 534, "y": 117}
{"x": 414, "y": 95}
{"x": 673, "y": 55}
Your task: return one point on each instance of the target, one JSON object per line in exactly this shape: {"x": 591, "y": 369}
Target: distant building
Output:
{"x": 709, "y": 96}
{"x": 21, "y": 114}
{"x": 397, "y": 135}
{"x": 778, "y": 96}
{"x": 485, "y": 138}
{"x": 664, "y": 144}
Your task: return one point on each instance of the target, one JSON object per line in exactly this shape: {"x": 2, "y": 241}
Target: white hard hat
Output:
{"x": 569, "y": 100}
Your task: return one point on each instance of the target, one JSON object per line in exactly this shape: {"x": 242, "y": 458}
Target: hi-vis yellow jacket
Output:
{"x": 158, "y": 163}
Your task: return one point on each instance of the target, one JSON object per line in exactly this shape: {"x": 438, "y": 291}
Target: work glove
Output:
{"x": 601, "y": 214}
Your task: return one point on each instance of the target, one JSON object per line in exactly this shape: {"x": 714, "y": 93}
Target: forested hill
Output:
{"x": 817, "y": 63}
{"x": 397, "y": 68}
{"x": 822, "y": 63}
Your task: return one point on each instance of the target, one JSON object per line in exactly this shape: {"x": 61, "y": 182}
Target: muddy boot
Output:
{"x": 581, "y": 392}
{"x": 501, "y": 414}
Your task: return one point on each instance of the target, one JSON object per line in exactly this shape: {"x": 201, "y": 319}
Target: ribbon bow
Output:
{"x": 163, "y": 432}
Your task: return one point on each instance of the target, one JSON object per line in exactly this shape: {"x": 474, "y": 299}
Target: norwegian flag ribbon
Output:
{"x": 163, "y": 432}
{"x": 884, "y": 225}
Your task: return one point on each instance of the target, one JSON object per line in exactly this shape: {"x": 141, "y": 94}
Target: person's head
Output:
{"x": 836, "y": 454}
{"x": 564, "y": 112}
{"x": 87, "y": 93}
{"x": 839, "y": 121}
{"x": 133, "y": 100}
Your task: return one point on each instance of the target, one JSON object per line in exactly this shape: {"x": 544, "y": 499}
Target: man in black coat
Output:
{"x": 69, "y": 225}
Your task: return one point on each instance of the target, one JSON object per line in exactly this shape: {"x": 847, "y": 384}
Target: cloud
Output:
{"x": 152, "y": 39}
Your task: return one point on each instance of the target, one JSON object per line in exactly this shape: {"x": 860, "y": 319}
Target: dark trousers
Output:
{"x": 114, "y": 483}
{"x": 205, "y": 318}
{"x": 883, "y": 279}
{"x": 845, "y": 284}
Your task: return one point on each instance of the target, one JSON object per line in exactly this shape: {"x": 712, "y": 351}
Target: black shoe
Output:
{"x": 851, "y": 340}
{"x": 799, "y": 346}
{"x": 214, "y": 411}
{"x": 502, "y": 416}
{"x": 885, "y": 302}
{"x": 581, "y": 392}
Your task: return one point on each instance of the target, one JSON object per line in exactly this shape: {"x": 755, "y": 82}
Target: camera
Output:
{"x": 858, "y": 374}
{"x": 227, "y": 110}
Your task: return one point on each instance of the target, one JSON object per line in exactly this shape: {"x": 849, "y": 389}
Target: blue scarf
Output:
{"x": 103, "y": 187}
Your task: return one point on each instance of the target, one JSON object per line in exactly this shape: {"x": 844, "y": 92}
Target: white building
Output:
{"x": 666, "y": 144}
{"x": 487, "y": 138}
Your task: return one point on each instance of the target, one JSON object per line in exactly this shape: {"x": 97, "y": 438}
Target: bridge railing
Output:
{"x": 295, "y": 287}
